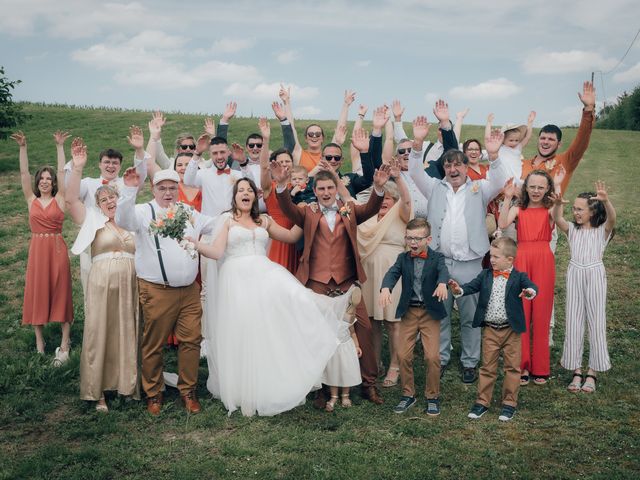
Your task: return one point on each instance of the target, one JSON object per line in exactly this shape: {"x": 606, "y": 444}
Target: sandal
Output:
{"x": 540, "y": 380}
{"x": 589, "y": 385}
{"x": 331, "y": 404}
{"x": 391, "y": 382}
{"x": 524, "y": 379}
{"x": 101, "y": 405}
{"x": 345, "y": 400}
{"x": 575, "y": 386}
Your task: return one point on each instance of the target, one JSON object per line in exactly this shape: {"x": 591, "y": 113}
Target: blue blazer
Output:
{"x": 483, "y": 283}
{"x": 433, "y": 273}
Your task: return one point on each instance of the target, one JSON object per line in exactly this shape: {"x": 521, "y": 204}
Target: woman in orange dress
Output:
{"x": 47, "y": 289}
{"x": 191, "y": 196}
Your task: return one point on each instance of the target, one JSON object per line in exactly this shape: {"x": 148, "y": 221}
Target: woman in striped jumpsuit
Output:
{"x": 593, "y": 220}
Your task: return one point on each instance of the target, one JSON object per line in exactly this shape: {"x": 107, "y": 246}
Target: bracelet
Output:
{"x": 283, "y": 120}
{"x": 361, "y": 115}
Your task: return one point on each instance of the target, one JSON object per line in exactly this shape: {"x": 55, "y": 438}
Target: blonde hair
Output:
{"x": 506, "y": 245}
{"x": 105, "y": 188}
{"x": 392, "y": 189}
{"x": 184, "y": 136}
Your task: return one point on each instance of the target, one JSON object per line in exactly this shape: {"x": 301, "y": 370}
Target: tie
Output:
{"x": 105, "y": 182}
{"x": 325, "y": 210}
{"x": 501, "y": 273}
{"x": 422, "y": 255}
{"x": 223, "y": 171}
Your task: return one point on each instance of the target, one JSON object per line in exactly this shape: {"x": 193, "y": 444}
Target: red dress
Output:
{"x": 47, "y": 288}
{"x": 536, "y": 259}
{"x": 283, "y": 253}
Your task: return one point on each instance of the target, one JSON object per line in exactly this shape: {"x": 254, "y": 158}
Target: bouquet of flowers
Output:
{"x": 171, "y": 224}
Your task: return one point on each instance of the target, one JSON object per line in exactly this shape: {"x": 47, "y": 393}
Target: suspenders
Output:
{"x": 164, "y": 274}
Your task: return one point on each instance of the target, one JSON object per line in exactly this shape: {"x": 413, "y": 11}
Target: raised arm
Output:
{"x": 530, "y": 119}
{"x": 398, "y": 132}
{"x": 60, "y": 137}
{"x": 498, "y": 174}
{"x": 265, "y": 173}
{"x": 155, "y": 143}
{"x": 380, "y": 119}
{"x": 285, "y": 96}
{"x": 388, "y": 147}
{"x": 556, "y": 212}
{"x": 508, "y": 214}
{"x": 406, "y": 204}
{"x": 489, "y": 126}
{"x": 25, "y": 176}
{"x": 356, "y": 165}
{"x": 72, "y": 194}
{"x": 140, "y": 158}
{"x": 288, "y": 138}
{"x": 457, "y": 128}
{"x": 349, "y": 97}
{"x": 126, "y": 214}
{"x": 603, "y": 196}
{"x": 228, "y": 113}
{"x": 192, "y": 176}
{"x": 424, "y": 182}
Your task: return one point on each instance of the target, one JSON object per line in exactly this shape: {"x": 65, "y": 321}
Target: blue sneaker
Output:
{"x": 405, "y": 404}
{"x": 433, "y": 407}
{"x": 507, "y": 413}
{"x": 477, "y": 411}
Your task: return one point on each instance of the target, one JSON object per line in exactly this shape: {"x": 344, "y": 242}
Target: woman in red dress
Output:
{"x": 47, "y": 289}
{"x": 191, "y": 196}
{"x": 534, "y": 226}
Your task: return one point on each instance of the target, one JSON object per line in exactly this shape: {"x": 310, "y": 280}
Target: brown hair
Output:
{"x": 418, "y": 223}
{"x": 546, "y": 200}
{"x": 300, "y": 169}
{"x": 181, "y": 137}
{"x": 324, "y": 175}
{"x": 38, "y": 176}
{"x": 506, "y": 245}
{"x": 255, "y": 209}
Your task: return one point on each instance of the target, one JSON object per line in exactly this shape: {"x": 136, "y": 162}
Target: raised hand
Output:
{"x": 588, "y": 95}
{"x": 493, "y": 141}
{"x": 78, "y": 152}
{"x": 279, "y": 173}
{"x": 455, "y": 287}
{"x": 349, "y": 97}
{"x": 210, "y": 127}
{"x": 279, "y": 111}
{"x": 362, "y": 110}
{"x": 340, "y": 135}
{"x": 601, "y": 192}
{"x": 397, "y": 109}
{"x": 155, "y": 125}
{"x": 559, "y": 177}
{"x": 441, "y": 292}
{"x": 381, "y": 176}
{"x": 237, "y": 153}
{"x": 360, "y": 140}
{"x": 202, "y": 144}
{"x": 558, "y": 199}
{"x": 131, "y": 177}
{"x": 229, "y": 111}
{"x": 394, "y": 167}
{"x": 441, "y": 111}
{"x": 380, "y": 117}
{"x": 531, "y": 118}
{"x": 460, "y": 115}
{"x": 490, "y": 118}
{"x": 60, "y": 137}
{"x": 420, "y": 129}
{"x": 265, "y": 128}
{"x": 510, "y": 190}
{"x": 20, "y": 138}
{"x": 135, "y": 138}
{"x": 285, "y": 94}
{"x": 323, "y": 165}
{"x": 527, "y": 293}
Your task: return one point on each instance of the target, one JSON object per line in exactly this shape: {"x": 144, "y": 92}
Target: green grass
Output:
{"x": 47, "y": 432}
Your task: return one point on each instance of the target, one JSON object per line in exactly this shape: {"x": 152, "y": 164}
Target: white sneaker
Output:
{"x": 61, "y": 357}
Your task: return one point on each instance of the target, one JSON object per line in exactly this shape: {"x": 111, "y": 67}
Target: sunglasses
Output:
{"x": 254, "y": 145}
{"x": 335, "y": 158}
{"x": 402, "y": 151}
{"x": 187, "y": 147}
{"x": 314, "y": 134}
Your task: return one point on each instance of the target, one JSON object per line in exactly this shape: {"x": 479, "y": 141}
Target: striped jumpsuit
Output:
{"x": 586, "y": 299}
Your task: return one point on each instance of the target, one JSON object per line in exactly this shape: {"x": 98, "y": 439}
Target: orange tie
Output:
{"x": 223, "y": 171}
{"x": 503, "y": 273}
{"x": 422, "y": 255}
{"x": 105, "y": 182}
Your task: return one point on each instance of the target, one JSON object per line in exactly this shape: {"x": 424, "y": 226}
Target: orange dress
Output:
{"x": 47, "y": 288}
{"x": 309, "y": 160}
{"x": 473, "y": 175}
{"x": 195, "y": 203}
{"x": 283, "y": 253}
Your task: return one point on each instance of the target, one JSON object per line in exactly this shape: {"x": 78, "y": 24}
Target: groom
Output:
{"x": 330, "y": 262}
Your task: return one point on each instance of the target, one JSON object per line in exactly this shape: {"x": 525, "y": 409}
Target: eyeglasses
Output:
{"x": 335, "y": 158}
{"x": 314, "y": 134}
{"x": 187, "y": 147}
{"x": 167, "y": 189}
{"x": 110, "y": 162}
{"x": 473, "y": 149}
{"x": 254, "y": 145}
{"x": 402, "y": 151}
{"x": 414, "y": 239}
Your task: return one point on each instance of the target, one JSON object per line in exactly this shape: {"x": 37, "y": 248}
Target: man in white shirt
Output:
{"x": 169, "y": 294}
{"x": 457, "y": 208}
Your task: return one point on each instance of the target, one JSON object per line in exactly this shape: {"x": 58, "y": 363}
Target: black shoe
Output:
{"x": 507, "y": 413}
{"x": 469, "y": 375}
{"x": 405, "y": 404}
{"x": 477, "y": 411}
{"x": 443, "y": 368}
{"x": 433, "y": 407}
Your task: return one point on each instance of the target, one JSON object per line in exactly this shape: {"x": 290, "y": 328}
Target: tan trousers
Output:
{"x": 495, "y": 341}
{"x": 418, "y": 320}
{"x": 168, "y": 310}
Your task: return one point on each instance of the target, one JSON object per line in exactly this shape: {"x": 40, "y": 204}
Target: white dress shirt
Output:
{"x": 180, "y": 268}
{"x": 217, "y": 190}
{"x": 453, "y": 238}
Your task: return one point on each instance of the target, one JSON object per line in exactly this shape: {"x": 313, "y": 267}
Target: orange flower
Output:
{"x": 170, "y": 214}
{"x": 159, "y": 223}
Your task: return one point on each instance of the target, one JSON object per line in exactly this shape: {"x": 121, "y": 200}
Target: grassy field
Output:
{"x": 47, "y": 432}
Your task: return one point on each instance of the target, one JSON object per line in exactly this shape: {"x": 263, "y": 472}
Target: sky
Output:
{"x": 502, "y": 56}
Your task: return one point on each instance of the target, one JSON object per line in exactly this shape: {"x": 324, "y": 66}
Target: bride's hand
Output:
{"x": 193, "y": 241}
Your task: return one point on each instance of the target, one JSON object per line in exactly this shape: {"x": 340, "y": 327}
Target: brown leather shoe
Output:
{"x": 191, "y": 403}
{"x": 154, "y": 405}
{"x": 320, "y": 401}
{"x": 371, "y": 394}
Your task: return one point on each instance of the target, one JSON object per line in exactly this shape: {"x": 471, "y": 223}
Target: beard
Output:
{"x": 549, "y": 155}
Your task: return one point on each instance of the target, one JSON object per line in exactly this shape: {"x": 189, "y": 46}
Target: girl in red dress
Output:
{"x": 47, "y": 289}
{"x": 534, "y": 226}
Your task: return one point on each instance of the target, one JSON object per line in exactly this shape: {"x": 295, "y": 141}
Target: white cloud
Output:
{"x": 573, "y": 61}
{"x": 268, "y": 91}
{"x": 363, "y": 63}
{"x": 491, "y": 89}
{"x": 431, "y": 97}
{"x": 287, "y": 57}
{"x": 307, "y": 111}
{"x": 231, "y": 45}
{"x": 629, "y": 76}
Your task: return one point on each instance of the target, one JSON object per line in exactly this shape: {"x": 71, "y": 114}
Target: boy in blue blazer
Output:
{"x": 501, "y": 314}
{"x": 424, "y": 287}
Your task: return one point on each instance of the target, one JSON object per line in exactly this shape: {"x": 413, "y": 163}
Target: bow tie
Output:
{"x": 223, "y": 171}
{"x": 105, "y": 182}
{"x": 501, "y": 273}
{"x": 333, "y": 208}
{"x": 422, "y": 255}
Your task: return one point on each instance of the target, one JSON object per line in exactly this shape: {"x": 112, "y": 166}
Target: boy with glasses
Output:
{"x": 424, "y": 287}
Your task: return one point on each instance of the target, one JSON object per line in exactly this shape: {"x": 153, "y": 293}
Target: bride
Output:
{"x": 271, "y": 336}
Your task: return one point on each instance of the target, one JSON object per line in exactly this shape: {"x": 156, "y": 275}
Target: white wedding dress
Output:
{"x": 271, "y": 337}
